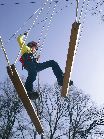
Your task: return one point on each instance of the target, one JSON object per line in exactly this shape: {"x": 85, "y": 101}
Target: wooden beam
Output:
{"x": 70, "y": 57}
{"x": 14, "y": 76}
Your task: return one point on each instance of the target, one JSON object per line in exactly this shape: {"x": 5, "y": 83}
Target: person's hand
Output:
{"x": 38, "y": 56}
{"x": 37, "y": 59}
{"x": 26, "y": 33}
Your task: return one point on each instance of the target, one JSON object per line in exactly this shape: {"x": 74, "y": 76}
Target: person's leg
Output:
{"x": 32, "y": 73}
{"x": 55, "y": 67}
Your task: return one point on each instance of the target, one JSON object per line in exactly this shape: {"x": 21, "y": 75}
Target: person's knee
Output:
{"x": 32, "y": 76}
{"x": 53, "y": 62}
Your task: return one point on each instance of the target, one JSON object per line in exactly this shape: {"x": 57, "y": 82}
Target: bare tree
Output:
{"x": 9, "y": 108}
{"x": 96, "y": 8}
{"x": 73, "y": 117}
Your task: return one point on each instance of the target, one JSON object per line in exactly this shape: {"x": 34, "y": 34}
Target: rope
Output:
{"x": 29, "y": 31}
{"x": 82, "y": 10}
{"x": 5, "y": 54}
{"x": 45, "y": 36}
{"x": 53, "y": 12}
{"x": 41, "y": 34}
{"x": 77, "y": 4}
{"x": 38, "y": 83}
{"x": 16, "y": 3}
{"x": 27, "y": 22}
{"x": 43, "y": 27}
{"x": 32, "y": 2}
{"x": 83, "y": 22}
{"x": 22, "y": 25}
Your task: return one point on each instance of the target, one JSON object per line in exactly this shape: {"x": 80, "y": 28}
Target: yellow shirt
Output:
{"x": 25, "y": 48}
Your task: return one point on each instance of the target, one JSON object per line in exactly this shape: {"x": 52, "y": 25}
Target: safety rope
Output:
{"x": 32, "y": 16}
{"x": 17, "y": 3}
{"x": 81, "y": 10}
{"x": 46, "y": 18}
{"x": 41, "y": 31}
{"x": 23, "y": 25}
{"x": 50, "y": 20}
{"x": 82, "y": 27}
{"x": 29, "y": 31}
{"x": 43, "y": 27}
{"x": 5, "y": 54}
{"x": 77, "y": 4}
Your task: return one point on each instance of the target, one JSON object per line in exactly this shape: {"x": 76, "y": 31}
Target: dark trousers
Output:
{"x": 33, "y": 68}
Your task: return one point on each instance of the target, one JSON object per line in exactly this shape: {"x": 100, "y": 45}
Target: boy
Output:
{"x": 32, "y": 66}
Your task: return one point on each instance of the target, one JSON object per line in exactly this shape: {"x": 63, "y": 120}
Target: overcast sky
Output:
{"x": 88, "y": 69}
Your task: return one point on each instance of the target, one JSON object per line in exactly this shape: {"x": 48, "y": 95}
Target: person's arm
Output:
{"x": 25, "y": 48}
{"x": 20, "y": 40}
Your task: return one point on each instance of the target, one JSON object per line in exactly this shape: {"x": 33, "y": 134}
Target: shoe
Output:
{"x": 32, "y": 95}
{"x": 70, "y": 83}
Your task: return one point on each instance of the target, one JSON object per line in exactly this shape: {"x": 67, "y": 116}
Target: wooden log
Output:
{"x": 22, "y": 93}
{"x": 70, "y": 56}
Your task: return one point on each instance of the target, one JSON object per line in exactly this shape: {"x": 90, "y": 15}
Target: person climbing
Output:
{"x": 30, "y": 63}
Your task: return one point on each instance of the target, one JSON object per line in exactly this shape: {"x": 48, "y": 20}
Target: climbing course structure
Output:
{"x": 11, "y": 68}
{"x": 70, "y": 55}
{"x": 73, "y": 44}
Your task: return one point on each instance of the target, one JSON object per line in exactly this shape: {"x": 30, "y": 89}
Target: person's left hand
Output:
{"x": 26, "y": 33}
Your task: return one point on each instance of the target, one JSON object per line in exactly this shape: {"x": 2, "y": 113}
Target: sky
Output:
{"x": 88, "y": 68}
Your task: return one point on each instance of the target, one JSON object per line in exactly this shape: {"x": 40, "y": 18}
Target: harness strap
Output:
{"x": 26, "y": 57}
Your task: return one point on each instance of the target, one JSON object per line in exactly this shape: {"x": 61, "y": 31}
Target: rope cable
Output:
{"x": 45, "y": 38}
{"x": 77, "y": 4}
{"x": 82, "y": 10}
{"x": 16, "y": 3}
{"x": 43, "y": 27}
{"x": 27, "y": 22}
{"x": 22, "y": 25}
{"x": 42, "y": 30}
{"x": 5, "y": 54}
{"x": 53, "y": 12}
{"x": 82, "y": 27}
{"x": 29, "y": 32}
{"x": 46, "y": 35}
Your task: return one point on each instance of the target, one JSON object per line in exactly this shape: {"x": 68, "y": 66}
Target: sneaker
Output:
{"x": 70, "y": 83}
{"x": 32, "y": 95}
